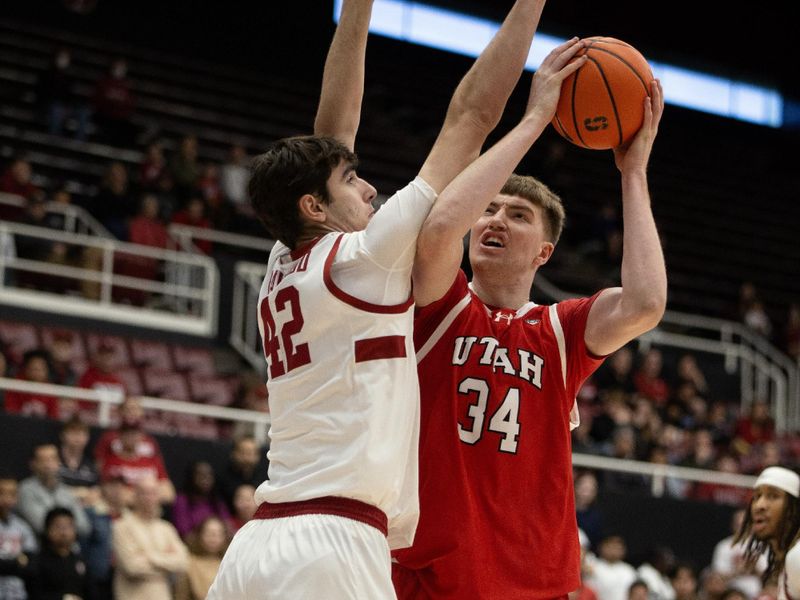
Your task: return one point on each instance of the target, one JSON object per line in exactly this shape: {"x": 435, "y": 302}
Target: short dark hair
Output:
{"x": 289, "y": 169}
{"x": 56, "y": 512}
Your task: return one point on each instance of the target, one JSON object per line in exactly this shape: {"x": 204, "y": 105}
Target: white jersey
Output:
{"x": 789, "y": 579}
{"x": 342, "y": 377}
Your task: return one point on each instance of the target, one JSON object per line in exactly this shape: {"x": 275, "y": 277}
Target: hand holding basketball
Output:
{"x": 636, "y": 153}
{"x": 546, "y": 84}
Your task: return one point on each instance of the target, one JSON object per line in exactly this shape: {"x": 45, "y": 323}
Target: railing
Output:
{"x": 108, "y": 398}
{"x": 76, "y": 219}
{"x": 185, "y": 235}
{"x": 247, "y": 279}
{"x": 764, "y": 371}
{"x": 115, "y": 275}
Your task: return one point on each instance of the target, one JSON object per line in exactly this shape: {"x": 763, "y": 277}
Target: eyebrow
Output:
{"x": 525, "y": 206}
{"x": 350, "y": 169}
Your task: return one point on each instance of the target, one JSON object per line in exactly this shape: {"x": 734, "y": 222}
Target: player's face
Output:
{"x": 766, "y": 511}
{"x": 510, "y": 234}
{"x": 350, "y": 208}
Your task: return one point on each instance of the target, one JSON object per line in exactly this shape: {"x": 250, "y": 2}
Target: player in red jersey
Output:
{"x": 499, "y": 374}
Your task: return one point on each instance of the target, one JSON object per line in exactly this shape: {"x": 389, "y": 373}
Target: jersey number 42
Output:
{"x": 279, "y": 349}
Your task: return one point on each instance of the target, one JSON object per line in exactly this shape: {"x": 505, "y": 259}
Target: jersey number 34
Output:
{"x": 504, "y": 421}
{"x": 276, "y": 343}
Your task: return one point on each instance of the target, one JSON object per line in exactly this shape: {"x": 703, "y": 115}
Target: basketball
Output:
{"x": 602, "y": 103}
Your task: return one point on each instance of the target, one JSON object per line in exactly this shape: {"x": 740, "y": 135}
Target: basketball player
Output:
{"x": 499, "y": 374}
{"x": 772, "y": 525}
{"x": 335, "y": 314}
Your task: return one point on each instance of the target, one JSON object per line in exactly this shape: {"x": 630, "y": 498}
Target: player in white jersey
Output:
{"x": 772, "y": 526}
{"x": 336, "y": 317}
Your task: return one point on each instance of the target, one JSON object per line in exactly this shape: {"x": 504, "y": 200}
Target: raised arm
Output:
{"x": 481, "y": 96}
{"x": 339, "y": 111}
{"x": 439, "y": 247}
{"x": 620, "y": 314}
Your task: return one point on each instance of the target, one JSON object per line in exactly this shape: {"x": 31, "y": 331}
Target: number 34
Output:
{"x": 504, "y": 421}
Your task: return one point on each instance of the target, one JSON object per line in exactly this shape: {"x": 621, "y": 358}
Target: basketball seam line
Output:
{"x": 610, "y": 97}
{"x": 574, "y": 117}
{"x": 627, "y": 64}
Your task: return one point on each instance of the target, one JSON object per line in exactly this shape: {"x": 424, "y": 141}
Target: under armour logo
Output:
{"x": 500, "y": 316}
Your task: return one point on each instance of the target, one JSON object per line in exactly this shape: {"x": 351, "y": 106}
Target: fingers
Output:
{"x": 657, "y": 94}
{"x": 563, "y": 53}
{"x": 571, "y": 68}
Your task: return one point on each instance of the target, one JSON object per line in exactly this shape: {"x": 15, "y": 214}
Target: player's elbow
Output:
{"x": 482, "y": 118}
{"x": 649, "y": 311}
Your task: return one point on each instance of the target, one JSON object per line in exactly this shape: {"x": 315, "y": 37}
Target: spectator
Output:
{"x": 218, "y": 208}
{"x": 720, "y": 493}
{"x": 114, "y": 204}
{"x": 756, "y": 318}
{"x": 611, "y": 575}
{"x": 61, "y": 357}
{"x": 617, "y": 372}
{"x": 34, "y": 368}
{"x": 44, "y": 490}
{"x": 244, "y": 506}
{"x": 207, "y": 544}
{"x": 624, "y": 447}
{"x": 77, "y": 470}
{"x": 100, "y": 376}
{"x": 56, "y": 95}
{"x": 58, "y": 571}
{"x": 585, "y": 591}
{"x": 147, "y": 228}
{"x": 589, "y": 515}
{"x": 712, "y": 585}
{"x": 648, "y": 379}
{"x": 18, "y": 180}
{"x": 245, "y": 466}
{"x": 792, "y": 335}
{"x": 193, "y": 214}
{"x": 728, "y": 560}
{"x": 114, "y": 105}
{"x": 153, "y": 167}
{"x": 689, "y": 371}
{"x": 234, "y": 179}
{"x": 97, "y": 547}
{"x": 684, "y": 582}
{"x": 703, "y": 452}
{"x": 17, "y": 542}
{"x": 755, "y": 428}
{"x": 185, "y": 169}
{"x": 147, "y": 548}
{"x": 655, "y": 573}
{"x": 638, "y": 590}
{"x": 198, "y": 500}
{"x": 110, "y": 444}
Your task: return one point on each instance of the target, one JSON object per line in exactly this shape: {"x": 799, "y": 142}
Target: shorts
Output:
{"x": 305, "y": 557}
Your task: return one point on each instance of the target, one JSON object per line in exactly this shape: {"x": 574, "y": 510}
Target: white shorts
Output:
{"x": 305, "y": 557}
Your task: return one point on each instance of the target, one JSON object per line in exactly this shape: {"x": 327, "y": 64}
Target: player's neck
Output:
{"x": 501, "y": 292}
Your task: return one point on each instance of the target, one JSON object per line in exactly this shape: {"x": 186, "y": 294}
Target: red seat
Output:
{"x": 131, "y": 379}
{"x": 199, "y": 361}
{"x": 74, "y": 337}
{"x": 165, "y": 384}
{"x": 18, "y": 338}
{"x": 118, "y": 345}
{"x": 151, "y": 353}
{"x": 211, "y": 390}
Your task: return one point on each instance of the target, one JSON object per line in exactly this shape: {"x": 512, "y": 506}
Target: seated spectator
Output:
{"x": 147, "y": 228}
{"x": 654, "y": 572}
{"x": 244, "y": 467}
{"x": 109, "y": 444}
{"x": 78, "y": 470}
{"x": 44, "y": 491}
{"x": 58, "y": 571}
{"x": 60, "y": 350}
{"x": 703, "y": 452}
{"x": 207, "y": 544}
{"x": 720, "y": 493}
{"x": 757, "y": 319}
{"x": 56, "y": 95}
{"x": 153, "y": 167}
{"x": 17, "y": 180}
{"x": 147, "y": 548}
{"x": 729, "y": 561}
{"x": 648, "y": 379}
{"x": 756, "y": 427}
{"x": 689, "y": 371}
{"x": 588, "y": 513}
{"x": 218, "y": 208}
{"x": 114, "y": 501}
{"x": 100, "y": 376}
{"x": 684, "y": 582}
{"x": 611, "y": 575}
{"x": 114, "y": 105}
{"x": 114, "y": 205}
{"x": 133, "y": 467}
{"x": 639, "y": 590}
{"x": 617, "y": 372}
{"x": 193, "y": 214}
{"x": 244, "y": 506}
{"x": 235, "y": 176}
{"x": 185, "y": 168}
{"x": 585, "y": 591}
{"x": 34, "y": 368}
{"x": 17, "y": 542}
{"x": 624, "y": 447}
{"x": 198, "y": 500}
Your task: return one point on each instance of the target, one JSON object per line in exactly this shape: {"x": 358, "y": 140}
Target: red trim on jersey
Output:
{"x": 304, "y": 249}
{"x": 387, "y": 346}
{"x": 327, "y": 505}
{"x": 352, "y": 300}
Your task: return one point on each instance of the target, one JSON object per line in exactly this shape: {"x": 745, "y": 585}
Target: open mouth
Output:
{"x": 492, "y": 241}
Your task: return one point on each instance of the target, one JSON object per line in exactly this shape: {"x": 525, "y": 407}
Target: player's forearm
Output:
{"x": 485, "y": 89}
{"x": 644, "y": 276}
{"x": 468, "y": 195}
{"x": 339, "y": 111}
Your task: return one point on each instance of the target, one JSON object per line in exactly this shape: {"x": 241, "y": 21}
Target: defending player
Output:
{"x": 336, "y": 317}
{"x": 772, "y": 525}
{"x": 499, "y": 374}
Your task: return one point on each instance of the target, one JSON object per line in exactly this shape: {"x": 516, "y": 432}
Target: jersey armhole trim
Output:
{"x": 443, "y": 326}
{"x": 352, "y": 300}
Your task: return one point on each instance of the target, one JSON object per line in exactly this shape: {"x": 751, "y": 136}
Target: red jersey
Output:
{"x": 133, "y": 470}
{"x": 110, "y": 445}
{"x": 498, "y": 391}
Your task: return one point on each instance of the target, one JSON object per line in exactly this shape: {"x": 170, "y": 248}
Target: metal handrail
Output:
{"x": 76, "y": 218}
{"x": 187, "y": 233}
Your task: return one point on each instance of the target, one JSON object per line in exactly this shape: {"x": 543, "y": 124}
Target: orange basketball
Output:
{"x": 602, "y": 103}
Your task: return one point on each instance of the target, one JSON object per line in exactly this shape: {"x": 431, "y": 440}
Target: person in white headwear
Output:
{"x": 772, "y": 524}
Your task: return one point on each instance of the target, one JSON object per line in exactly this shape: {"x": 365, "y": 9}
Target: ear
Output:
{"x": 545, "y": 252}
{"x": 311, "y": 208}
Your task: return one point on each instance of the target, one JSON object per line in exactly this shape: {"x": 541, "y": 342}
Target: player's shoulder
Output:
{"x": 793, "y": 559}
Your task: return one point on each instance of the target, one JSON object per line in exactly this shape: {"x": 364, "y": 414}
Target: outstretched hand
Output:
{"x": 546, "y": 85}
{"x": 636, "y": 153}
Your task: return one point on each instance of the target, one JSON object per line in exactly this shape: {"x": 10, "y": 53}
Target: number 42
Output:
{"x": 504, "y": 421}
